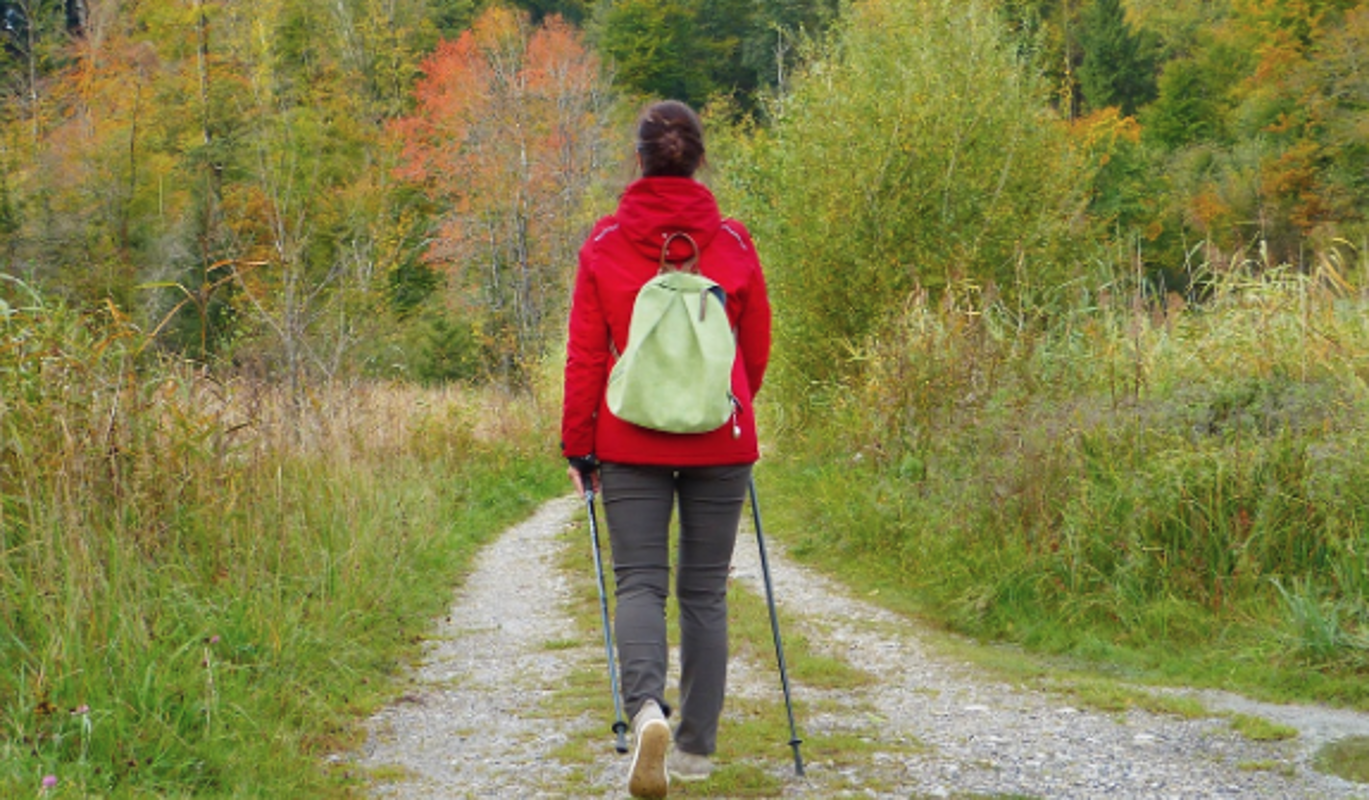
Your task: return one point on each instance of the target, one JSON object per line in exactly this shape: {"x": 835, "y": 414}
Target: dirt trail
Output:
{"x": 475, "y": 722}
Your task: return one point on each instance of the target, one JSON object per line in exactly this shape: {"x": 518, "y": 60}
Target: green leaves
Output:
{"x": 698, "y": 50}
{"x": 655, "y": 50}
{"x": 917, "y": 152}
{"x": 1119, "y": 63}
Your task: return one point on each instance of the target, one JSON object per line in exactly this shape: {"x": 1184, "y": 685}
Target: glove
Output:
{"x": 585, "y": 465}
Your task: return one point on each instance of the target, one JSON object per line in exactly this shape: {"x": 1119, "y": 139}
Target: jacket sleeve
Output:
{"x": 753, "y": 328}
{"x": 587, "y": 359}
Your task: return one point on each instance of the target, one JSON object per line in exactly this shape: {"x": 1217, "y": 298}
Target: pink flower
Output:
{"x": 214, "y": 639}
{"x": 49, "y": 781}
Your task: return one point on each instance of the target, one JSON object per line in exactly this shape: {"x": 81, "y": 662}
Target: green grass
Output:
{"x": 1281, "y": 768}
{"x": 754, "y": 758}
{"x": 1345, "y": 758}
{"x": 1258, "y": 729}
{"x": 1169, "y": 496}
{"x": 189, "y": 611}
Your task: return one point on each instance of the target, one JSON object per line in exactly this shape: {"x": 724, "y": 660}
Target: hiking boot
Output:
{"x": 687, "y": 767}
{"x": 650, "y": 740}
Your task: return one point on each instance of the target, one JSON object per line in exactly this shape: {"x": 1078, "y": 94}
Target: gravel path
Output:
{"x": 472, "y": 726}
{"x": 468, "y": 728}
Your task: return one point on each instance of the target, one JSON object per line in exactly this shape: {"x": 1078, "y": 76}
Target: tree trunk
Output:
{"x": 78, "y": 14}
{"x": 30, "y": 8}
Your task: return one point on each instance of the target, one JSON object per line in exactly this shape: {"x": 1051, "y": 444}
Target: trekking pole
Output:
{"x": 619, "y": 726}
{"x": 794, "y": 740}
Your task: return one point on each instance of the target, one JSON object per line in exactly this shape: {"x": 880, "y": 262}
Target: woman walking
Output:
{"x": 642, "y": 474}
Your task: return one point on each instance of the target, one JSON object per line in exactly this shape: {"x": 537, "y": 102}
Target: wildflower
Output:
{"x": 49, "y": 781}
{"x": 80, "y": 710}
{"x": 214, "y": 639}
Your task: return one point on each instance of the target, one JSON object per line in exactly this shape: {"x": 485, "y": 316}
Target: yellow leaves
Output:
{"x": 1209, "y": 212}
{"x": 499, "y": 29}
{"x": 1101, "y": 131}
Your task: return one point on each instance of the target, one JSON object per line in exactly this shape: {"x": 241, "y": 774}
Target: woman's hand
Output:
{"x": 584, "y": 470}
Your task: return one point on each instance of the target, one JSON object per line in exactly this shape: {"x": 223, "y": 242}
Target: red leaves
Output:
{"x": 498, "y": 113}
{"x": 503, "y": 139}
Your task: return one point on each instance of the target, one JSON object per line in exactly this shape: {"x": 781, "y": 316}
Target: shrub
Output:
{"x": 918, "y": 150}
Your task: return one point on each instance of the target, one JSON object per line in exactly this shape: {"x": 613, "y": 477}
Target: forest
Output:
{"x": 395, "y": 188}
{"x": 1071, "y": 337}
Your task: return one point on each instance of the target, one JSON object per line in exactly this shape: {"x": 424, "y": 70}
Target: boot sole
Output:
{"x": 688, "y": 777}
{"x": 648, "y": 776}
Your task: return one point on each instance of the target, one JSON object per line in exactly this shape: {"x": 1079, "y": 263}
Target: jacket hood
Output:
{"x": 653, "y": 208}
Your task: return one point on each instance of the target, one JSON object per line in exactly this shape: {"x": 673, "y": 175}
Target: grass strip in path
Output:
{"x": 754, "y": 759}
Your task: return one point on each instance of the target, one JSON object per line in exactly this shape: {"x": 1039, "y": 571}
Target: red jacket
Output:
{"x": 622, "y": 253}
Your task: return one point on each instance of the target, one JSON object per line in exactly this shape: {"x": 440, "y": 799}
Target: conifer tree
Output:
{"x": 695, "y": 50}
{"x": 1119, "y": 63}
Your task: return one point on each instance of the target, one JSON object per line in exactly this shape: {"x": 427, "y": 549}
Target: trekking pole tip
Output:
{"x": 798, "y": 757}
{"x": 620, "y": 730}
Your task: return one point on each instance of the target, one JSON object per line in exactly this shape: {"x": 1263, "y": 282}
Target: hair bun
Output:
{"x": 671, "y": 146}
{"x": 670, "y": 140}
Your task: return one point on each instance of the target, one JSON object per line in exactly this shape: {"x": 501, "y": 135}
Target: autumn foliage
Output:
{"x": 504, "y": 138}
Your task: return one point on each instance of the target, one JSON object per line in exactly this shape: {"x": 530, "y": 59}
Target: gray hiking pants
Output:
{"x": 638, "y": 501}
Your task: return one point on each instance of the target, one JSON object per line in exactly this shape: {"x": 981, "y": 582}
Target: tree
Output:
{"x": 1119, "y": 65}
{"x": 506, "y": 136}
{"x": 1194, "y": 100}
{"x": 694, "y": 50}
{"x": 572, "y": 11}
{"x": 920, "y": 153}
{"x": 1340, "y": 73}
{"x": 778, "y": 34}
{"x": 176, "y": 142}
{"x": 383, "y": 41}
{"x": 83, "y": 171}
{"x": 1047, "y": 32}
{"x": 1247, "y": 117}
{"x": 1304, "y": 94}
{"x": 655, "y": 49}
{"x": 30, "y": 48}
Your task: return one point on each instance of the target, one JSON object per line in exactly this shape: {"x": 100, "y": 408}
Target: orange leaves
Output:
{"x": 557, "y": 63}
{"x": 1295, "y": 177}
{"x": 447, "y": 97}
{"x": 103, "y": 84}
{"x": 1284, "y": 35}
{"x": 503, "y": 139}
{"x": 1097, "y": 134}
{"x": 500, "y": 113}
{"x": 1210, "y": 212}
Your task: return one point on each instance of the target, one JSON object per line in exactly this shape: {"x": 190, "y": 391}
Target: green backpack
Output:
{"x": 676, "y": 374}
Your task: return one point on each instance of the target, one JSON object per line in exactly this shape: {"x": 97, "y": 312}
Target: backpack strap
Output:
{"x": 690, "y": 264}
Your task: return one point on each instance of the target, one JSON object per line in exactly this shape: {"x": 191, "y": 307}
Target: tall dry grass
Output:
{"x": 205, "y": 578}
{"x": 1136, "y": 478}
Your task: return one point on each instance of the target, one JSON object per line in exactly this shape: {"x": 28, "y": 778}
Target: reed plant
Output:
{"x": 1175, "y": 488}
{"x": 206, "y": 582}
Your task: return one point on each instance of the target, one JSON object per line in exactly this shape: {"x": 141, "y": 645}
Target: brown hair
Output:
{"x": 670, "y": 140}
